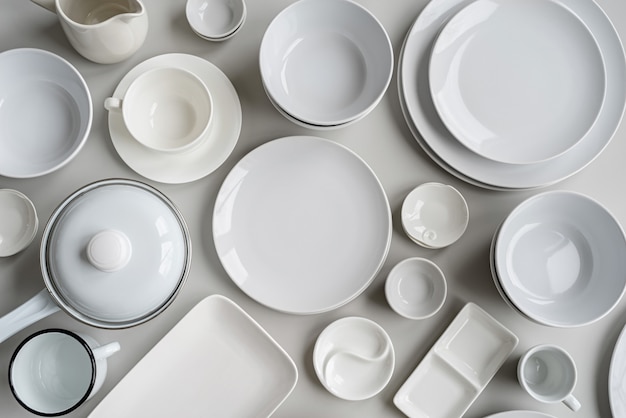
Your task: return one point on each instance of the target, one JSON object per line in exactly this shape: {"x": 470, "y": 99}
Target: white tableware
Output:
{"x": 166, "y": 109}
{"x": 617, "y": 383}
{"x": 114, "y": 254}
{"x": 212, "y": 150}
{"x": 434, "y": 215}
{"x": 18, "y": 222}
{"x": 416, "y": 288}
{"x": 326, "y": 62}
{"x": 103, "y": 31}
{"x": 302, "y": 225}
{"x": 460, "y": 161}
{"x": 354, "y": 358}
{"x": 216, "y": 20}
{"x": 458, "y": 366}
{"x": 54, "y": 371}
{"x": 216, "y": 362}
{"x": 520, "y": 414}
{"x": 46, "y": 112}
{"x": 561, "y": 259}
{"x": 548, "y": 374}
{"x": 501, "y": 90}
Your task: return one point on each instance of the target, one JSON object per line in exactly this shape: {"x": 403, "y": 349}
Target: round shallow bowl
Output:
{"x": 18, "y": 222}
{"x": 416, "y": 288}
{"x": 46, "y": 112}
{"x": 326, "y": 62}
{"x": 434, "y": 215}
{"x": 354, "y": 358}
{"x": 560, "y": 257}
{"x": 216, "y": 20}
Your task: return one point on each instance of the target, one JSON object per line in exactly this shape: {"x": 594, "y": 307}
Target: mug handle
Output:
{"x": 572, "y": 403}
{"x": 38, "y": 307}
{"x": 106, "y": 350}
{"x": 112, "y": 103}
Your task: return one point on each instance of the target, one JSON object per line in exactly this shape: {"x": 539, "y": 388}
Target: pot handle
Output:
{"x": 31, "y": 311}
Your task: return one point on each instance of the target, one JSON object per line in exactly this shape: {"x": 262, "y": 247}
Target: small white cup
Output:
{"x": 548, "y": 374}
{"x": 166, "y": 109}
{"x": 52, "y": 372}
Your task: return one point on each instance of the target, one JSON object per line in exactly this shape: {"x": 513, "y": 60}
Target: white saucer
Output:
{"x": 206, "y": 157}
{"x": 501, "y": 89}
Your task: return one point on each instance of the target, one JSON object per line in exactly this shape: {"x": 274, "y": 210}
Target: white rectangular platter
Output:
{"x": 216, "y": 362}
{"x": 458, "y": 366}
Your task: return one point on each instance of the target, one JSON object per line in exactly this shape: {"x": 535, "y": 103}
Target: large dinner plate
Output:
{"x": 216, "y": 362}
{"x": 617, "y": 377}
{"x": 302, "y": 225}
{"x": 436, "y": 139}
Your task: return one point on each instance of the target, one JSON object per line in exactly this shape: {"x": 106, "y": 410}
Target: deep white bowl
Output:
{"x": 18, "y": 222}
{"x": 326, "y": 62}
{"x": 46, "y": 112}
{"x": 560, "y": 257}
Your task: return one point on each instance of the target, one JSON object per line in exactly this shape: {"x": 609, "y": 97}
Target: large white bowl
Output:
{"x": 326, "y": 62}
{"x": 46, "y": 112}
{"x": 561, "y": 259}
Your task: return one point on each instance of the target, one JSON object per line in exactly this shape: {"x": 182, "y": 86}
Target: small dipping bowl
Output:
{"x": 434, "y": 215}
{"x": 416, "y": 288}
{"x": 18, "y": 222}
{"x": 216, "y": 20}
{"x": 166, "y": 109}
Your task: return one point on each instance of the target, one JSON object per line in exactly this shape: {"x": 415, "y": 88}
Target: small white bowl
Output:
{"x": 560, "y": 258}
{"x": 216, "y": 20}
{"x": 416, "y": 288}
{"x": 18, "y": 222}
{"x": 326, "y": 62}
{"x": 434, "y": 215}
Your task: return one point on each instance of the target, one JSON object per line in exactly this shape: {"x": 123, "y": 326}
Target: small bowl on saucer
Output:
{"x": 216, "y": 20}
{"x": 416, "y": 288}
{"x": 434, "y": 215}
{"x": 18, "y": 223}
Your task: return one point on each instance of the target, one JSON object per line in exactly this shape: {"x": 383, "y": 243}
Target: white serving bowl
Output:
{"x": 216, "y": 20}
{"x": 560, "y": 258}
{"x": 416, "y": 288}
{"x": 326, "y": 62}
{"x": 46, "y": 112}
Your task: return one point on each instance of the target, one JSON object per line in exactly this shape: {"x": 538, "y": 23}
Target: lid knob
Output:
{"x": 109, "y": 250}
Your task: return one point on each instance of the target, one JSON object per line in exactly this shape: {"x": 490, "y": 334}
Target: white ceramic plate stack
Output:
{"x": 491, "y": 101}
{"x": 325, "y": 63}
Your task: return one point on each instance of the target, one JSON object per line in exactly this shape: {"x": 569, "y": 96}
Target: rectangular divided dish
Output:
{"x": 458, "y": 366}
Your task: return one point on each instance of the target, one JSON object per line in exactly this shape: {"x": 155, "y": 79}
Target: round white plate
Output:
{"x": 617, "y": 377}
{"x": 302, "y": 225}
{"x": 517, "y": 81}
{"x": 202, "y": 160}
{"x": 520, "y": 414}
{"x": 457, "y": 159}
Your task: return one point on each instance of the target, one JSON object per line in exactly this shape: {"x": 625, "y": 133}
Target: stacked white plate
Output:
{"x": 505, "y": 104}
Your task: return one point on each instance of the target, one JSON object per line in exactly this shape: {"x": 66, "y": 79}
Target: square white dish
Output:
{"x": 216, "y": 362}
{"x": 458, "y": 367}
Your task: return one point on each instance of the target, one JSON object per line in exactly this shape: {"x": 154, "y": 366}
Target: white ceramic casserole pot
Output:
{"x": 113, "y": 255}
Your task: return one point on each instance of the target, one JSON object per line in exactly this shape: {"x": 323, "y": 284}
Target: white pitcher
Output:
{"x": 103, "y": 31}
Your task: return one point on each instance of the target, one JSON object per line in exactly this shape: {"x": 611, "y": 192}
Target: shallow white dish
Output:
{"x": 326, "y": 62}
{"x": 208, "y": 155}
{"x": 458, "y": 366}
{"x": 46, "y": 112}
{"x": 503, "y": 92}
{"x": 617, "y": 381}
{"x": 520, "y": 414}
{"x": 18, "y": 222}
{"x": 354, "y": 358}
{"x": 302, "y": 225}
{"x": 560, "y": 257}
{"x": 216, "y": 362}
{"x": 216, "y": 20}
{"x": 457, "y": 159}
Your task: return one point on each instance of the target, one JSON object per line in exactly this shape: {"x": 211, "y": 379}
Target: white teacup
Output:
{"x": 167, "y": 109}
{"x": 548, "y": 374}
{"x": 52, "y": 372}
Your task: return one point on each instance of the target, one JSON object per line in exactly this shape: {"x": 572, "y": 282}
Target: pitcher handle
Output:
{"x": 31, "y": 311}
{"x": 46, "y": 4}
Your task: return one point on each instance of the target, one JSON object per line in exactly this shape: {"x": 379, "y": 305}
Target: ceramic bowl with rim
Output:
{"x": 326, "y": 62}
{"x": 216, "y": 20}
{"x": 434, "y": 215}
{"x": 560, "y": 257}
{"x": 416, "y": 288}
{"x": 18, "y": 222}
{"x": 46, "y": 112}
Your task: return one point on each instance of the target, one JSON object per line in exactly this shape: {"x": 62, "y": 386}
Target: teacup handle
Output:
{"x": 31, "y": 311}
{"x": 106, "y": 350}
{"x": 112, "y": 103}
{"x": 572, "y": 403}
